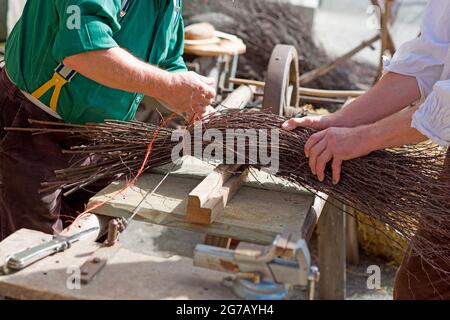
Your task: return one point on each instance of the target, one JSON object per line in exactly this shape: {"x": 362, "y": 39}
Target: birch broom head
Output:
{"x": 406, "y": 188}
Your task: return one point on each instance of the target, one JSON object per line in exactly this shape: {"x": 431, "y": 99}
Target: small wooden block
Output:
{"x": 208, "y": 200}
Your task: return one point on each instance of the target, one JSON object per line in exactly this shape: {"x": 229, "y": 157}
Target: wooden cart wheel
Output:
{"x": 281, "y": 91}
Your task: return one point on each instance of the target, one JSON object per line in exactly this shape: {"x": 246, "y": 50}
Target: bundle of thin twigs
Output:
{"x": 407, "y": 188}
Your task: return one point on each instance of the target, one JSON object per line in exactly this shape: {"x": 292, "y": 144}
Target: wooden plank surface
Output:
{"x": 217, "y": 201}
{"x": 320, "y": 201}
{"x": 211, "y": 184}
{"x": 254, "y": 214}
{"x": 351, "y": 240}
{"x": 196, "y": 169}
{"x": 127, "y": 276}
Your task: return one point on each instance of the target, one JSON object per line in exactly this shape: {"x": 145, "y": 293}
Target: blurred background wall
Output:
{"x": 3, "y": 14}
{"x": 10, "y": 11}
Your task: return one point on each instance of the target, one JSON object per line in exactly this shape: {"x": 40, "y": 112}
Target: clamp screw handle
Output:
{"x": 313, "y": 280}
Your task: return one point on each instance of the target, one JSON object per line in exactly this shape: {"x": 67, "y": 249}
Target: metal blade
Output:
{"x": 80, "y": 236}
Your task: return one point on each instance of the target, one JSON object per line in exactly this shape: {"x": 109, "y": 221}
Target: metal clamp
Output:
{"x": 98, "y": 260}
{"x": 263, "y": 272}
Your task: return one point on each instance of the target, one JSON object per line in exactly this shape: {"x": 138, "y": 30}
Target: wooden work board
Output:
{"x": 127, "y": 276}
{"x": 258, "y": 212}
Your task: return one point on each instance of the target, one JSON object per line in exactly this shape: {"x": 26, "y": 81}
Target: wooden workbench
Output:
{"x": 260, "y": 211}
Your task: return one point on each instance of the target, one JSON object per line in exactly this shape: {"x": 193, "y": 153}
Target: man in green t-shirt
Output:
{"x": 82, "y": 61}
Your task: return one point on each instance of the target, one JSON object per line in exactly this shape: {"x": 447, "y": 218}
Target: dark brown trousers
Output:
{"x": 418, "y": 280}
{"x": 26, "y": 161}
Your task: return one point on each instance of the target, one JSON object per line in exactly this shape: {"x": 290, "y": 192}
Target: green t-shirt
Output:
{"x": 152, "y": 30}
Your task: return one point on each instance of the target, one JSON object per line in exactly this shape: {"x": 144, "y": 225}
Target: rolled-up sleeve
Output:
{"x": 433, "y": 117}
{"x": 424, "y": 57}
{"x": 86, "y": 25}
{"x": 175, "y": 61}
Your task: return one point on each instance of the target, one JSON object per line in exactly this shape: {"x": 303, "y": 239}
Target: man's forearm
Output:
{"x": 393, "y": 131}
{"x": 391, "y": 94}
{"x": 118, "y": 69}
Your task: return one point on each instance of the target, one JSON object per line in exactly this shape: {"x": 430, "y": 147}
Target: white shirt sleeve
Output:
{"x": 424, "y": 57}
{"x": 432, "y": 119}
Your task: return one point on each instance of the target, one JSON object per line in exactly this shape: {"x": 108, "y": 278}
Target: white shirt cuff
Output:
{"x": 432, "y": 119}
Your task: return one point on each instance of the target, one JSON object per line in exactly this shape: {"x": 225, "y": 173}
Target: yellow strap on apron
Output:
{"x": 58, "y": 82}
{"x": 64, "y": 75}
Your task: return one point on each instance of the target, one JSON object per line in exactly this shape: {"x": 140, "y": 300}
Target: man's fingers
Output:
{"x": 200, "y": 108}
{"x": 337, "y": 167}
{"x": 208, "y": 92}
{"x": 208, "y": 111}
{"x": 312, "y": 141}
{"x": 207, "y": 87}
{"x": 294, "y": 123}
{"x": 208, "y": 81}
{"x": 315, "y": 152}
{"x": 204, "y": 102}
{"x": 201, "y": 101}
{"x": 322, "y": 162}
{"x": 203, "y": 109}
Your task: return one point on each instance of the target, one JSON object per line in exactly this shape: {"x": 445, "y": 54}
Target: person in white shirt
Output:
{"x": 409, "y": 105}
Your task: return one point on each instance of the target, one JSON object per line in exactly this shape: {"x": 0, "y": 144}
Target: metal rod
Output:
{"x": 303, "y": 91}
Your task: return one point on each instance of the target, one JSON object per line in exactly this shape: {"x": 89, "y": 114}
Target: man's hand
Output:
{"x": 336, "y": 145}
{"x": 189, "y": 93}
{"x": 341, "y": 144}
{"x": 330, "y": 144}
{"x": 313, "y": 122}
{"x": 182, "y": 92}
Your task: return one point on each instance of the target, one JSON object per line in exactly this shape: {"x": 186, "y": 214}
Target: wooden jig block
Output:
{"x": 208, "y": 200}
